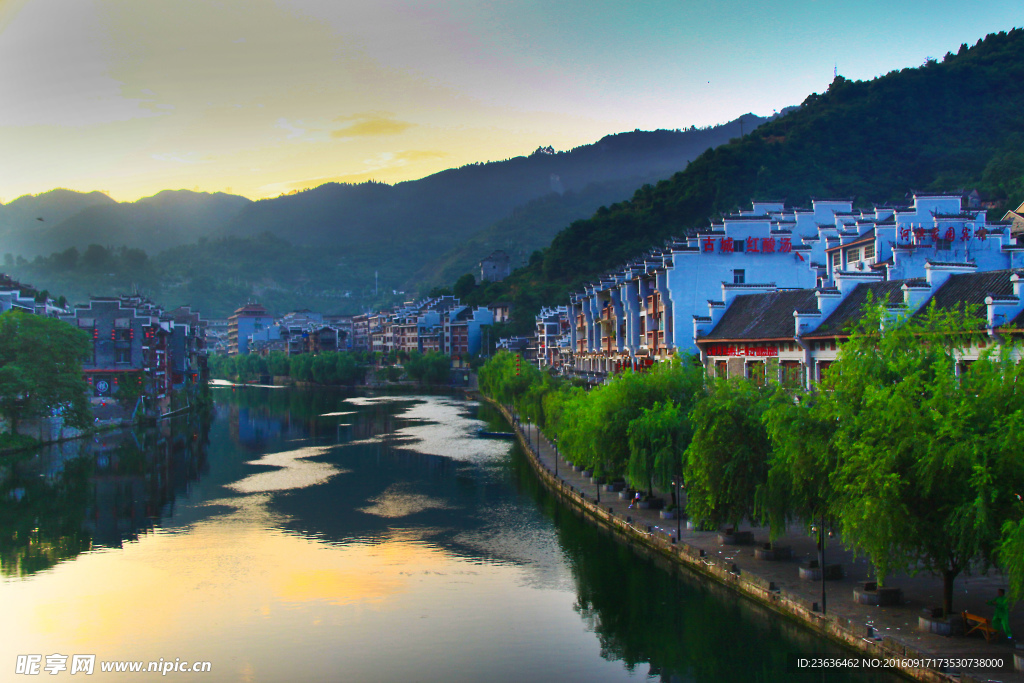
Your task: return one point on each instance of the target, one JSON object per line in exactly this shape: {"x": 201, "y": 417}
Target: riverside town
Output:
{"x": 725, "y": 403}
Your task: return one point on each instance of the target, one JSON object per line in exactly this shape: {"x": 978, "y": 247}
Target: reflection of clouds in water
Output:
{"x": 517, "y": 536}
{"x": 443, "y": 431}
{"x": 294, "y": 472}
{"x": 371, "y": 400}
{"x": 397, "y": 501}
{"x": 225, "y": 383}
{"x": 338, "y": 414}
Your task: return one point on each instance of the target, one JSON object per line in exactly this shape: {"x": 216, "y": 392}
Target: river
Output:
{"x": 302, "y": 535}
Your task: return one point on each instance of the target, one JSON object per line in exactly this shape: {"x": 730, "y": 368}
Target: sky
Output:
{"x": 265, "y": 97}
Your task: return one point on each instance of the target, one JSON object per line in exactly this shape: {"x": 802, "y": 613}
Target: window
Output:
{"x": 123, "y": 355}
{"x": 755, "y": 372}
{"x": 739, "y": 276}
{"x": 944, "y": 245}
{"x": 721, "y": 369}
{"x": 791, "y": 374}
{"x": 837, "y": 260}
{"x": 853, "y": 255}
{"x": 738, "y": 245}
{"x": 869, "y": 250}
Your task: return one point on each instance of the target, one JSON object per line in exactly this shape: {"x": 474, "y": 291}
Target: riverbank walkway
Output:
{"x": 898, "y": 622}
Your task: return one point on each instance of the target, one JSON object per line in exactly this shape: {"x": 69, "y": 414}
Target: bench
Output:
{"x": 976, "y": 623}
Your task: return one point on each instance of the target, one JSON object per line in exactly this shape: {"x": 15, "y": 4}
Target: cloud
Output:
{"x": 371, "y": 170}
{"x": 294, "y": 130}
{"x": 420, "y": 155}
{"x": 370, "y": 124}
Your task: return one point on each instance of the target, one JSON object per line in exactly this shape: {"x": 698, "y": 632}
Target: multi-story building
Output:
{"x": 242, "y": 324}
{"x": 552, "y": 334}
{"x": 463, "y": 328}
{"x": 793, "y": 336}
{"x": 495, "y": 267}
{"x": 361, "y": 332}
{"x": 646, "y": 310}
{"x": 134, "y": 340}
{"x": 22, "y": 297}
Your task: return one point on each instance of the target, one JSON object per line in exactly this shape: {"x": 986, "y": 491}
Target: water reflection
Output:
{"x": 315, "y": 535}
{"x": 94, "y": 493}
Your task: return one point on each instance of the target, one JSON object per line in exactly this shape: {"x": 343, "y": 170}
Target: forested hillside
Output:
{"x": 949, "y": 125}
{"x": 337, "y": 248}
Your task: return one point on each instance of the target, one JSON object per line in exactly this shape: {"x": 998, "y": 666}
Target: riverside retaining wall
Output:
{"x": 762, "y": 591}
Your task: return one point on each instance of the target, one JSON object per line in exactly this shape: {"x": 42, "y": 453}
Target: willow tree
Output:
{"x": 659, "y": 436}
{"x": 927, "y": 460}
{"x": 801, "y": 470}
{"x": 727, "y": 460}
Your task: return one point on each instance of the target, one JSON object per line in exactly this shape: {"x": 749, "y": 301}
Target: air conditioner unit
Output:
{"x": 860, "y": 265}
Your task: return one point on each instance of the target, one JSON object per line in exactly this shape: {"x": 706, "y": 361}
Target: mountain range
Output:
{"x": 357, "y": 239}
{"x": 951, "y": 125}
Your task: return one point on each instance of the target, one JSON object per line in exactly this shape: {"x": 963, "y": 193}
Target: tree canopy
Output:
{"x": 41, "y": 369}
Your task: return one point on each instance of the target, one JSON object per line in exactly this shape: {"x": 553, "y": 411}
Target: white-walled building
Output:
{"x": 650, "y": 308}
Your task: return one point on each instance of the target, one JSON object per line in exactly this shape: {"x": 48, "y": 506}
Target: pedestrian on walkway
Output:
{"x": 1001, "y": 613}
{"x": 636, "y": 500}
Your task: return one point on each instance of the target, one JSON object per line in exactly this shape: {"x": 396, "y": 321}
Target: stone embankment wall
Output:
{"x": 835, "y": 628}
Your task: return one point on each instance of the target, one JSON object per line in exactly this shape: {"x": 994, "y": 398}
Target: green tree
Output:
{"x": 41, "y": 369}
{"x": 929, "y": 460}
{"x": 800, "y": 484}
{"x": 727, "y": 460}
{"x": 432, "y": 367}
{"x": 659, "y": 437}
{"x": 277, "y": 363}
{"x": 464, "y": 286}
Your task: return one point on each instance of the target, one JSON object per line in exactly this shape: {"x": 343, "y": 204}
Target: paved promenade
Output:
{"x": 899, "y": 623}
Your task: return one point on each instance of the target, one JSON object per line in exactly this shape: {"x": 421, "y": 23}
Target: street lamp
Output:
{"x": 820, "y": 529}
{"x": 677, "y": 480}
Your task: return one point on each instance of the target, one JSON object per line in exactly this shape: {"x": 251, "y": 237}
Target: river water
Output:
{"x": 302, "y": 535}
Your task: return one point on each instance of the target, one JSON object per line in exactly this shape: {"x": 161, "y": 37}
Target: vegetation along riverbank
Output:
{"x": 914, "y": 465}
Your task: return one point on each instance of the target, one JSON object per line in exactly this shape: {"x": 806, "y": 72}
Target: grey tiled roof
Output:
{"x": 972, "y": 288}
{"x": 763, "y": 316}
{"x": 850, "y": 309}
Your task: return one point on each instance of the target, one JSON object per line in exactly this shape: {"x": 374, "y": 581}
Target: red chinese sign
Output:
{"x": 750, "y": 245}
{"x": 920, "y": 233}
{"x": 751, "y": 350}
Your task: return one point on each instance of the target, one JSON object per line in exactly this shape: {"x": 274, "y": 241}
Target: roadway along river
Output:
{"x": 305, "y": 535}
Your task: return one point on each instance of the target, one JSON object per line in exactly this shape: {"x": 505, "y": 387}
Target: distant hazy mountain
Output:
{"x": 352, "y": 245}
{"x": 438, "y": 211}
{"x": 165, "y": 220}
{"x": 529, "y": 227}
{"x": 25, "y": 221}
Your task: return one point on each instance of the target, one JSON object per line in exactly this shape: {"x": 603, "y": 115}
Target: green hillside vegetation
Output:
{"x": 336, "y": 248}
{"x": 215, "y": 276}
{"x": 437, "y": 211}
{"x": 528, "y": 228}
{"x": 945, "y": 126}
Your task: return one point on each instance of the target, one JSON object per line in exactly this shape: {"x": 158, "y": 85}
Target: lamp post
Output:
{"x": 679, "y": 507}
{"x": 554, "y": 444}
{"x": 820, "y": 528}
